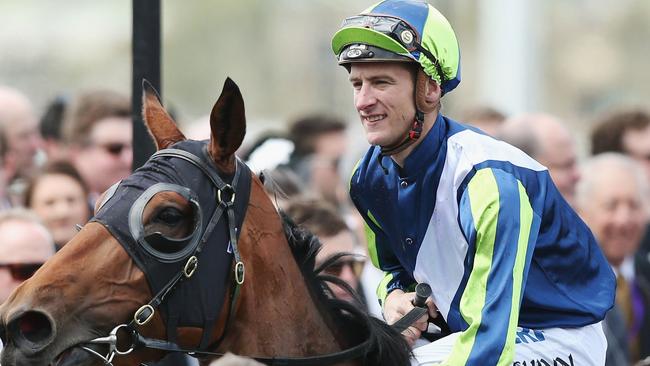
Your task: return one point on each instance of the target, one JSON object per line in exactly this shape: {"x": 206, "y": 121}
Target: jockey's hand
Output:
{"x": 398, "y": 303}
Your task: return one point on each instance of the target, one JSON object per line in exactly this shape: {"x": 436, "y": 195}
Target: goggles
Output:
{"x": 398, "y": 30}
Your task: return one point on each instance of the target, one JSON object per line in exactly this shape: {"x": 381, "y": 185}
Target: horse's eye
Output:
{"x": 170, "y": 216}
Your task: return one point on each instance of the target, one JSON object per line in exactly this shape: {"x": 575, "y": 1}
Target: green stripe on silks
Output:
{"x": 382, "y": 291}
{"x": 354, "y": 170}
{"x": 525, "y": 223}
{"x": 484, "y": 198}
{"x": 371, "y": 238}
{"x": 484, "y": 201}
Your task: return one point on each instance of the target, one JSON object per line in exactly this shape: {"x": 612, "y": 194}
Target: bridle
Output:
{"x": 225, "y": 204}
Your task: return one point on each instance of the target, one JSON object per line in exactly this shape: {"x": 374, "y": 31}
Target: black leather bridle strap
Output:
{"x": 239, "y": 274}
{"x": 352, "y": 353}
{"x": 188, "y": 156}
{"x": 226, "y": 194}
{"x": 222, "y": 189}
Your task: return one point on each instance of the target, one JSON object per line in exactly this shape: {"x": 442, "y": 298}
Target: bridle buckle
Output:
{"x": 228, "y": 196}
{"x": 143, "y": 315}
{"x": 190, "y": 266}
{"x": 240, "y": 272}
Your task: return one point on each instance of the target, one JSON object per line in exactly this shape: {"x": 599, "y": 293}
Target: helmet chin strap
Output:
{"x": 412, "y": 136}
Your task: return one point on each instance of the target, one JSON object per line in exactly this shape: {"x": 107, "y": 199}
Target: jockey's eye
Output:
{"x": 170, "y": 216}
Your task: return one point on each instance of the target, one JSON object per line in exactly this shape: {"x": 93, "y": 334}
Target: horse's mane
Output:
{"x": 387, "y": 346}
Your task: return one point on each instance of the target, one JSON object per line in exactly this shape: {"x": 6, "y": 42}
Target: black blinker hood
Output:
{"x": 197, "y": 301}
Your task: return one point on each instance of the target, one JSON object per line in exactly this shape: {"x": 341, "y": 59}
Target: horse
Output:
{"x": 189, "y": 254}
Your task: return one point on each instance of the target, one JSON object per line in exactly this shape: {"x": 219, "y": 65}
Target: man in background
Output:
{"x": 627, "y": 131}
{"x": 20, "y": 126}
{"x": 320, "y": 144}
{"x": 487, "y": 119}
{"x": 26, "y": 244}
{"x": 546, "y": 139}
{"x": 322, "y": 219}
{"x": 98, "y": 130}
{"x": 612, "y": 199}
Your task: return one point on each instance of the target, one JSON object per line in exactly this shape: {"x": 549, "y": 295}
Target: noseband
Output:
{"x": 226, "y": 194}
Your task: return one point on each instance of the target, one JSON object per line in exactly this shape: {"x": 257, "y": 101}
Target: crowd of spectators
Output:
{"x": 53, "y": 168}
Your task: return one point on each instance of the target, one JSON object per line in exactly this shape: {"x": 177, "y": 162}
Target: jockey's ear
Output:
{"x": 228, "y": 126}
{"x": 427, "y": 92}
{"x": 160, "y": 125}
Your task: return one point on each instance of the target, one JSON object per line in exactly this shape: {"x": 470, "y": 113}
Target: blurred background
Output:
{"x": 574, "y": 61}
{"x": 569, "y": 58}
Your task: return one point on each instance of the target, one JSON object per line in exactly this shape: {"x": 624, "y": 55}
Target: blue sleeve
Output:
{"x": 497, "y": 218}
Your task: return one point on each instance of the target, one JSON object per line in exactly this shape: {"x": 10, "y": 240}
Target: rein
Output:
{"x": 226, "y": 199}
{"x": 138, "y": 342}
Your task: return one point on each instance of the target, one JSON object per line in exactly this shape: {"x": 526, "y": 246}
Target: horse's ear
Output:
{"x": 160, "y": 124}
{"x": 228, "y": 126}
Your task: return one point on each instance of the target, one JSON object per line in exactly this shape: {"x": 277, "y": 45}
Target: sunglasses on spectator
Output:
{"x": 21, "y": 271}
{"x": 114, "y": 148}
{"x": 335, "y": 269}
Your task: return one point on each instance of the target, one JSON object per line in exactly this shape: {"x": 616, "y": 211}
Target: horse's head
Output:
{"x": 188, "y": 252}
{"x": 148, "y": 229}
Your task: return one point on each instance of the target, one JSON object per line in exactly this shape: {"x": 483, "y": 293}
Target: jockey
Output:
{"x": 515, "y": 273}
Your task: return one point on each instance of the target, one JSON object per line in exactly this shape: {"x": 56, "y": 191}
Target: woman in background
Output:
{"x": 59, "y": 196}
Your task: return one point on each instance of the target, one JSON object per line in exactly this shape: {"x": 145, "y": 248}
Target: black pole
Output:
{"x": 146, "y": 64}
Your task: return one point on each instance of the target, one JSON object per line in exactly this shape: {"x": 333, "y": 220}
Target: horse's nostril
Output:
{"x": 32, "y": 326}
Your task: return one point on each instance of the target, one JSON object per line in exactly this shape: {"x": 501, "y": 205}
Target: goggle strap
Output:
{"x": 433, "y": 60}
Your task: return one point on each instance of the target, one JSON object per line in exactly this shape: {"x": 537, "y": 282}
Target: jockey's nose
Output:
{"x": 364, "y": 97}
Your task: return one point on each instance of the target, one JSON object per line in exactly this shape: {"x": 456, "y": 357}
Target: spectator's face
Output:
{"x": 487, "y": 125}
{"x": 383, "y": 97}
{"x": 108, "y": 156}
{"x": 615, "y": 213}
{"x": 22, "y": 243}
{"x": 325, "y": 176}
{"x": 23, "y": 138}
{"x": 637, "y": 144}
{"x": 561, "y": 160}
{"x": 61, "y": 203}
{"x": 342, "y": 242}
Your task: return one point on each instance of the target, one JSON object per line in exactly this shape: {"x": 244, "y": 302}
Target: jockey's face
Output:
{"x": 384, "y": 99}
